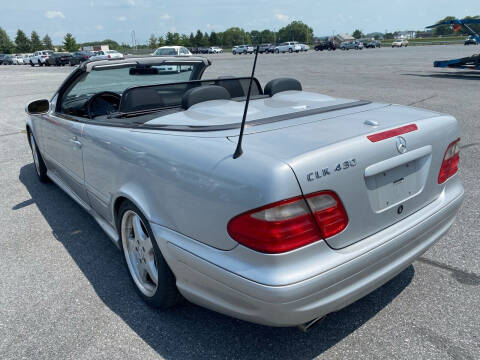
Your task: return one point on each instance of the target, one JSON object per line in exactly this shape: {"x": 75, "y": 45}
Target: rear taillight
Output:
{"x": 450, "y": 162}
{"x": 290, "y": 224}
{"x": 109, "y": 57}
{"x": 329, "y": 212}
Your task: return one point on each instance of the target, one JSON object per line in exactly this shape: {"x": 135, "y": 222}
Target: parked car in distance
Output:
{"x": 326, "y": 45}
{"x": 59, "y": 59}
{"x": 8, "y": 60}
{"x": 172, "y": 51}
{"x": 243, "y": 49}
{"x": 289, "y": 46}
{"x": 2, "y": 56}
{"x": 348, "y": 45}
{"x": 304, "y": 47}
{"x": 399, "y": 43}
{"x": 373, "y": 44}
{"x": 110, "y": 55}
{"x": 271, "y": 48}
{"x": 17, "y": 60}
{"x": 40, "y": 57}
{"x": 264, "y": 48}
{"x": 298, "y": 226}
{"x": 107, "y": 55}
{"x": 471, "y": 41}
{"x": 215, "y": 50}
{"x": 79, "y": 56}
{"x": 26, "y": 59}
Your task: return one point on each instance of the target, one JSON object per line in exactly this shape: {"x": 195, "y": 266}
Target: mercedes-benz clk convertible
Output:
{"x": 330, "y": 199}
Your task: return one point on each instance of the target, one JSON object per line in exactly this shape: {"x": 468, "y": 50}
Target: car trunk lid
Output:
{"x": 379, "y": 182}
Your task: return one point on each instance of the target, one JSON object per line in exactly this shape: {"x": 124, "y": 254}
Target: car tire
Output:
{"x": 31, "y": 64}
{"x": 290, "y": 50}
{"x": 40, "y": 166}
{"x": 138, "y": 243}
{"x": 234, "y": 53}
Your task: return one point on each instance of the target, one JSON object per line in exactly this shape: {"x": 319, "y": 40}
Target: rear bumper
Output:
{"x": 215, "y": 280}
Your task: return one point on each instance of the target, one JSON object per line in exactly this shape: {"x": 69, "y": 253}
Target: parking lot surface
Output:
{"x": 66, "y": 294}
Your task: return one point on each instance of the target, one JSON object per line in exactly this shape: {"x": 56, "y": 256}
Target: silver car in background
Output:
{"x": 289, "y": 46}
{"x": 107, "y": 55}
{"x": 330, "y": 199}
{"x": 243, "y": 49}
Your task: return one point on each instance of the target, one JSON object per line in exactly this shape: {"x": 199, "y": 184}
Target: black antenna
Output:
{"x": 238, "y": 150}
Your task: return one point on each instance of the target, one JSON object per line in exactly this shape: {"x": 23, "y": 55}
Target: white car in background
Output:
{"x": 243, "y": 49}
{"x": 289, "y": 46}
{"x": 17, "y": 60}
{"x": 107, "y": 55}
{"x": 40, "y": 57}
{"x": 400, "y": 43}
{"x": 172, "y": 51}
{"x": 304, "y": 47}
{"x": 215, "y": 50}
{"x": 26, "y": 59}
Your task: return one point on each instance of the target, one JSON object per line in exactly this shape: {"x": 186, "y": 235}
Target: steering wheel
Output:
{"x": 103, "y": 103}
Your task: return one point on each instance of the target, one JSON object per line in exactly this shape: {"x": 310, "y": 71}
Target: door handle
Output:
{"x": 76, "y": 142}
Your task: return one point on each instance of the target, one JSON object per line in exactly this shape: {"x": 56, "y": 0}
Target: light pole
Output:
{"x": 134, "y": 40}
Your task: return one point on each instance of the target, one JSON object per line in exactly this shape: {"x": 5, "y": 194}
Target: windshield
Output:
{"x": 119, "y": 79}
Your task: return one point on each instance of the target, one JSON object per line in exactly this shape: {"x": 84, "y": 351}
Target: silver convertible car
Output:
{"x": 330, "y": 199}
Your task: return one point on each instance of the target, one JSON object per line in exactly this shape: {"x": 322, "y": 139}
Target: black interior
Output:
{"x": 204, "y": 93}
{"x": 282, "y": 84}
{"x": 171, "y": 97}
{"x": 103, "y": 103}
{"x": 180, "y": 95}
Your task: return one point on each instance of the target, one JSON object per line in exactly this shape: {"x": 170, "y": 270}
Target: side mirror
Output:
{"x": 38, "y": 107}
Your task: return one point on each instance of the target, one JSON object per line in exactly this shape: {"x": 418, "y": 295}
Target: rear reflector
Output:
{"x": 290, "y": 224}
{"x": 450, "y": 162}
{"x": 391, "y": 133}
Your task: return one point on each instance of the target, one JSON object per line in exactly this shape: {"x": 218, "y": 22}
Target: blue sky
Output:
{"x": 90, "y": 20}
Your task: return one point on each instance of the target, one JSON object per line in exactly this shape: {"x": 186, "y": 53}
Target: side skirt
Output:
{"x": 106, "y": 227}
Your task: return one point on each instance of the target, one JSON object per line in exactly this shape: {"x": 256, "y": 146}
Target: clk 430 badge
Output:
{"x": 318, "y": 174}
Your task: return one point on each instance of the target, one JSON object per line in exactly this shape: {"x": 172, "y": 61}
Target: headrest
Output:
{"x": 233, "y": 86}
{"x": 281, "y": 84}
{"x": 204, "y": 93}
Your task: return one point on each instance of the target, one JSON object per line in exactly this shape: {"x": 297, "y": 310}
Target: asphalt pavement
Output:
{"x": 65, "y": 294}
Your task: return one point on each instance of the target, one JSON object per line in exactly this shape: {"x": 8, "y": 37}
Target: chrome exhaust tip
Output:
{"x": 310, "y": 324}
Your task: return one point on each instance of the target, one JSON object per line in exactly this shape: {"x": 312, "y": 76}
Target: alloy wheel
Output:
{"x": 139, "y": 253}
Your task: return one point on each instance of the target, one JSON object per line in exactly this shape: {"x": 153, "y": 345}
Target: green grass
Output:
{"x": 446, "y": 40}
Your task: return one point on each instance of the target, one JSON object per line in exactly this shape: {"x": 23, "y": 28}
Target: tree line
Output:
{"x": 295, "y": 31}
{"x": 24, "y": 44}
